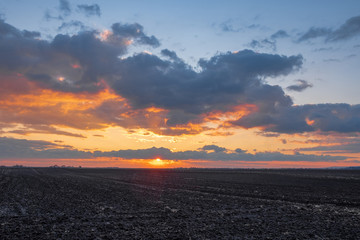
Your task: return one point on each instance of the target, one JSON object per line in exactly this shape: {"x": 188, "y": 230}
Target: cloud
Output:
{"x": 301, "y": 86}
{"x": 348, "y": 30}
{"x": 343, "y": 118}
{"x": 227, "y": 26}
{"x": 221, "y": 155}
{"x": 213, "y": 148}
{"x": 46, "y": 62}
{"x": 269, "y": 43}
{"x": 135, "y": 31}
{"x": 64, "y": 7}
{"x": 11, "y": 148}
{"x": 265, "y": 43}
{"x": 72, "y": 24}
{"x": 353, "y": 147}
{"x": 315, "y": 33}
{"x": 89, "y": 10}
{"x": 279, "y": 34}
{"x": 161, "y": 94}
{"x": 43, "y": 129}
{"x": 170, "y": 54}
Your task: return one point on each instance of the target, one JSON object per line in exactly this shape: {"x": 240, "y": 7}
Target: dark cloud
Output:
{"x": 279, "y": 34}
{"x": 43, "y": 129}
{"x": 268, "y": 43}
{"x": 225, "y": 79}
{"x": 135, "y": 31}
{"x": 214, "y": 148}
{"x": 343, "y": 118}
{"x": 11, "y": 148}
{"x": 300, "y": 86}
{"x": 90, "y": 10}
{"x": 350, "y": 147}
{"x": 45, "y": 62}
{"x": 170, "y": 54}
{"x": 350, "y": 29}
{"x": 223, "y": 155}
{"x": 315, "y": 33}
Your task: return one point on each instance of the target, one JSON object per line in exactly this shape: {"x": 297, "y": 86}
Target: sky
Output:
{"x": 168, "y": 84}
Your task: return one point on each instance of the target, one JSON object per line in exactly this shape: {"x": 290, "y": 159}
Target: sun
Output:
{"x": 157, "y": 162}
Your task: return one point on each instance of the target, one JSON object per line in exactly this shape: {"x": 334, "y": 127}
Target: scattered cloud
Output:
{"x": 72, "y": 24}
{"x": 269, "y": 43}
{"x": 220, "y": 155}
{"x": 64, "y": 7}
{"x": 228, "y": 26}
{"x": 353, "y": 147}
{"x": 350, "y": 29}
{"x": 43, "y": 129}
{"x": 342, "y": 118}
{"x": 11, "y": 148}
{"x": 90, "y": 10}
{"x": 300, "y": 86}
{"x": 279, "y": 34}
{"x": 213, "y": 148}
{"x": 265, "y": 43}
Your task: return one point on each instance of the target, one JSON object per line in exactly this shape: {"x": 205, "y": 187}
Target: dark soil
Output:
{"x": 66, "y": 203}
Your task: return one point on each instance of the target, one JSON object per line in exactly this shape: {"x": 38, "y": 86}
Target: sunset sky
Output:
{"x": 180, "y": 83}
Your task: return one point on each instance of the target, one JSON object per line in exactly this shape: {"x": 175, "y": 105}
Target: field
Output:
{"x": 70, "y": 203}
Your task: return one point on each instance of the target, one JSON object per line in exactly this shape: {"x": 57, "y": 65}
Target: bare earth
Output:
{"x": 65, "y": 203}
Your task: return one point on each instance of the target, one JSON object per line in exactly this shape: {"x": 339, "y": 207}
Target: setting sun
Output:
{"x": 159, "y": 163}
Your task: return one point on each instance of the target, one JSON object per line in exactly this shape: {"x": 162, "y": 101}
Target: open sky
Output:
{"x": 180, "y": 83}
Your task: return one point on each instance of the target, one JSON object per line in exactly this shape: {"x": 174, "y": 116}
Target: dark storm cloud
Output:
{"x": 343, "y": 118}
{"x": 349, "y": 29}
{"x": 90, "y": 10}
{"x": 300, "y": 86}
